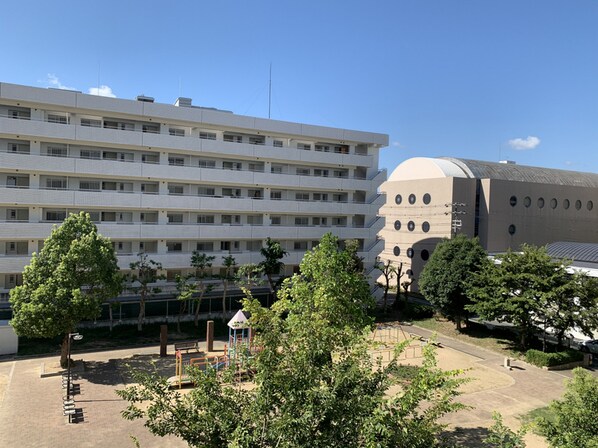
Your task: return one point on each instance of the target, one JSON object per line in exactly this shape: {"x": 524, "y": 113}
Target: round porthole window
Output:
{"x": 513, "y": 201}
{"x": 397, "y": 225}
{"x": 527, "y": 201}
{"x": 427, "y": 198}
{"x": 411, "y": 226}
{"x": 512, "y": 229}
{"x": 398, "y": 199}
{"x": 590, "y": 205}
{"x": 396, "y": 251}
{"x": 425, "y": 254}
{"x": 426, "y": 226}
{"x": 566, "y": 204}
{"x": 410, "y": 252}
{"x": 412, "y": 198}
{"x": 540, "y": 202}
{"x": 578, "y": 205}
{"x": 553, "y": 203}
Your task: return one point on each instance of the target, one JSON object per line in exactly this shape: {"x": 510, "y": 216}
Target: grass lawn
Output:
{"x": 121, "y": 336}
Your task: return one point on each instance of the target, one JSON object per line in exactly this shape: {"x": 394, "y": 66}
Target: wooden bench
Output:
{"x": 189, "y": 345}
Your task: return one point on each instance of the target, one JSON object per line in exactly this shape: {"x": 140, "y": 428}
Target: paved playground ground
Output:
{"x": 31, "y": 407}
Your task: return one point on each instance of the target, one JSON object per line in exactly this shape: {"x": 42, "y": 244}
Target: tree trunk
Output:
{"x": 271, "y": 282}
{"x": 225, "y": 287}
{"x": 458, "y": 323}
{"x": 141, "y": 315}
{"x": 196, "y": 314}
{"x": 64, "y": 347}
{"x": 110, "y": 316}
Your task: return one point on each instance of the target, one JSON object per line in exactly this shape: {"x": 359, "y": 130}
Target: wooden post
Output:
{"x": 163, "y": 340}
{"x": 210, "y": 336}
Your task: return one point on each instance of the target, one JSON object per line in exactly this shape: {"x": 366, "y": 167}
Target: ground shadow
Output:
{"x": 466, "y": 437}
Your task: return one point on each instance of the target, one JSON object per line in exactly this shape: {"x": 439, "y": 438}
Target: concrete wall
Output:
{"x": 9, "y": 341}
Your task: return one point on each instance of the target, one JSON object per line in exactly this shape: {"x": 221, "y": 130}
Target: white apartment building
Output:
{"x": 169, "y": 179}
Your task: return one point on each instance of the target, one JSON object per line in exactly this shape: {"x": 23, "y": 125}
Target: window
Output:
{"x": 172, "y": 246}
{"x": 302, "y": 196}
{"x": 89, "y": 185}
{"x": 231, "y": 219}
{"x": 205, "y": 219}
{"x": 257, "y": 140}
{"x": 578, "y": 205}
{"x": 553, "y": 203}
{"x": 150, "y": 128}
{"x": 300, "y": 245}
{"x": 426, "y": 226}
{"x": 398, "y": 199}
{"x": 304, "y": 146}
{"x": 91, "y": 122}
{"x": 56, "y": 151}
{"x": 323, "y": 148}
{"x": 255, "y": 220}
{"x": 122, "y": 126}
{"x": 343, "y": 149}
{"x": 204, "y": 135}
{"x": 566, "y": 204}
{"x": 276, "y": 169}
{"x": 19, "y": 114}
{"x": 175, "y": 218}
{"x": 277, "y": 143}
{"x": 176, "y": 132}
{"x": 233, "y": 138}
{"x": 411, "y": 226}
{"x": 425, "y": 254}
{"x": 149, "y": 188}
{"x": 52, "y": 215}
{"x": 276, "y": 195}
{"x": 527, "y": 201}
{"x": 176, "y": 161}
{"x": 341, "y": 173}
{"x": 301, "y": 221}
{"x": 109, "y": 216}
{"x": 205, "y": 246}
{"x": 321, "y": 197}
{"x": 253, "y": 246}
{"x": 410, "y": 252}
{"x": 254, "y": 193}
{"x": 175, "y": 189}
{"x": 412, "y": 199}
{"x": 318, "y": 221}
{"x": 275, "y": 220}
{"x": 229, "y": 245}
{"x": 206, "y": 191}
{"x": 90, "y": 154}
{"x": 20, "y": 148}
{"x": 150, "y": 158}
{"x": 321, "y": 173}
{"x": 56, "y": 183}
{"x": 513, "y": 201}
{"x": 397, "y": 225}
{"x": 512, "y": 229}
{"x": 231, "y": 192}
{"x": 590, "y": 205}
{"x": 396, "y": 251}
{"x": 232, "y": 166}
{"x": 303, "y": 171}
{"x": 427, "y": 198}
{"x": 57, "y": 118}
{"x": 339, "y": 221}
{"x": 207, "y": 163}
{"x": 257, "y": 167}
{"x": 540, "y": 202}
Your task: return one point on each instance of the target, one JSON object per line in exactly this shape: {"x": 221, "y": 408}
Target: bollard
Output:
{"x": 210, "y": 336}
{"x": 507, "y": 363}
{"x": 163, "y": 340}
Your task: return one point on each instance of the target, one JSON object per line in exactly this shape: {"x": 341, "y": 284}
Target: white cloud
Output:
{"x": 397, "y": 144}
{"x": 53, "y": 81}
{"x": 101, "y": 91}
{"x": 524, "y": 143}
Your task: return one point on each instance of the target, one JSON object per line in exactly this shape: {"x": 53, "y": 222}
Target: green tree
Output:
{"x": 574, "y": 423}
{"x": 202, "y": 263}
{"x": 315, "y": 383}
{"x": 185, "y": 291}
{"x": 501, "y": 436}
{"x": 66, "y": 282}
{"x": 527, "y": 289}
{"x": 249, "y": 275}
{"x": 144, "y": 273}
{"x": 389, "y": 271}
{"x": 227, "y": 275}
{"x": 272, "y": 264}
{"x": 443, "y": 279}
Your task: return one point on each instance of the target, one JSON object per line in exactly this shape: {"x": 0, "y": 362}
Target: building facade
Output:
{"x": 170, "y": 179}
{"x": 503, "y": 204}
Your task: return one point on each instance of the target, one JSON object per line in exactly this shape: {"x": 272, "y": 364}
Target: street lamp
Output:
{"x": 74, "y": 337}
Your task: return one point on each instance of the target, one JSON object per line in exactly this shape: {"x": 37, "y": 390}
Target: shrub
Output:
{"x": 542, "y": 359}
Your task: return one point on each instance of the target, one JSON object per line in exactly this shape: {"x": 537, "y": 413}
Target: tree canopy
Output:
{"x": 315, "y": 384}
{"x": 272, "y": 264}
{"x": 66, "y": 282}
{"x": 444, "y": 277}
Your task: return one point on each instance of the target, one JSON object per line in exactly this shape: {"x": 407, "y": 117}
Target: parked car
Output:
{"x": 589, "y": 346}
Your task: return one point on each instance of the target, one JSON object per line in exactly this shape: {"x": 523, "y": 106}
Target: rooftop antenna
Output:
{"x": 270, "y": 92}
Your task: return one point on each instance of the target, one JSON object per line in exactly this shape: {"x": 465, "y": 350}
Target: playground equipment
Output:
{"x": 386, "y": 336}
{"x": 237, "y": 353}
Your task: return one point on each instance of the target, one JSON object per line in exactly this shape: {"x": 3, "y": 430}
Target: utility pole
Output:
{"x": 455, "y": 211}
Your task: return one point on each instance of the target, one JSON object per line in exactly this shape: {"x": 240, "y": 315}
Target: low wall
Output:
{"x": 9, "y": 341}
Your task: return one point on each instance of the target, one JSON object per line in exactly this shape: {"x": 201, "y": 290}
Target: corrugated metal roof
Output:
{"x": 578, "y": 252}
{"x": 521, "y": 173}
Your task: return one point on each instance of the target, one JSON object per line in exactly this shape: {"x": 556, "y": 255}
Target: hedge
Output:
{"x": 542, "y": 359}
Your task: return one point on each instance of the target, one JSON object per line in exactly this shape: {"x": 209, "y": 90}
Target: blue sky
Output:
{"x": 514, "y": 79}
